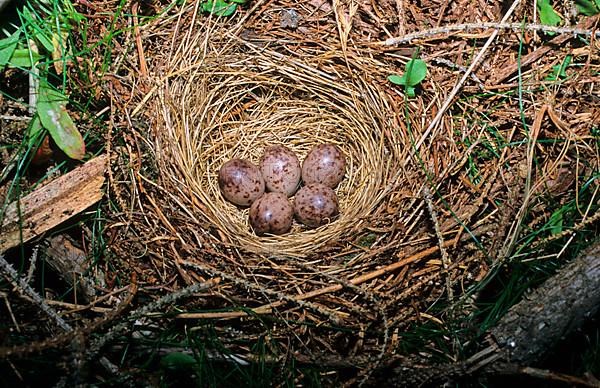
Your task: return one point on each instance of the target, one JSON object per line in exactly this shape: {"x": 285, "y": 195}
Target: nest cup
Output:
{"x": 232, "y": 99}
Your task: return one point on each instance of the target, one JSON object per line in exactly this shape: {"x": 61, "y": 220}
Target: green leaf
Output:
{"x": 178, "y": 360}
{"x": 560, "y": 71}
{"x": 7, "y": 48}
{"x": 51, "y": 108}
{"x": 588, "y": 7}
{"x": 548, "y": 15}
{"x": 45, "y": 40}
{"x": 23, "y": 58}
{"x": 416, "y": 71}
{"x": 396, "y": 79}
{"x": 219, "y": 7}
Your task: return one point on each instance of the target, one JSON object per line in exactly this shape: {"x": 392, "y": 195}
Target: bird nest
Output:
{"x": 241, "y": 99}
{"x": 413, "y": 229}
{"x": 221, "y": 95}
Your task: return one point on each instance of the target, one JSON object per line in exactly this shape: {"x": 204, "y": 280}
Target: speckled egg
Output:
{"x": 315, "y": 204}
{"x": 271, "y": 213}
{"x": 241, "y": 182}
{"x": 280, "y": 169}
{"x": 324, "y": 164}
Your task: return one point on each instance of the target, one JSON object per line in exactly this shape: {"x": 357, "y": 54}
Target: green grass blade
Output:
{"x": 8, "y": 47}
{"x": 35, "y": 131}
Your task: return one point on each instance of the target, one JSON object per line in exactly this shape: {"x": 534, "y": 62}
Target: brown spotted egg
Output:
{"x": 280, "y": 169}
{"x": 241, "y": 182}
{"x": 271, "y": 213}
{"x": 324, "y": 164}
{"x": 315, "y": 204}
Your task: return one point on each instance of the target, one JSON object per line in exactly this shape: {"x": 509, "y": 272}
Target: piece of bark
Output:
{"x": 72, "y": 264}
{"x": 554, "y": 310}
{"x": 53, "y": 203}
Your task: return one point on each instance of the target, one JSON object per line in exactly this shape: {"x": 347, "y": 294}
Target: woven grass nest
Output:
{"x": 235, "y": 100}
{"x": 222, "y": 96}
{"x": 226, "y": 97}
{"x": 413, "y": 229}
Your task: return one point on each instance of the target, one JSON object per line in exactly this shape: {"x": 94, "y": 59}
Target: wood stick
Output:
{"x": 265, "y": 309}
{"x": 443, "y": 31}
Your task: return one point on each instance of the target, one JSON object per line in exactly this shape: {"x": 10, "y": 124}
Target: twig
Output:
{"x": 517, "y": 223}
{"x": 377, "y": 305}
{"x": 333, "y": 315}
{"x": 9, "y": 308}
{"x": 526, "y": 60}
{"x": 34, "y": 81}
{"x": 75, "y": 337}
{"x": 32, "y": 262}
{"x": 74, "y": 308}
{"x": 401, "y": 16}
{"x": 463, "y": 69}
{"x": 554, "y": 376}
{"x": 326, "y": 290}
{"x": 15, "y": 370}
{"x": 24, "y": 289}
{"x": 13, "y": 160}
{"x": 138, "y": 41}
{"x": 444, "y": 253}
{"x": 445, "y": 30}
{"x": 344, "y": 21}
{"x": 436, "y": 120}
{"x": 122, "y": 379}
{"x": 158, "y": 304}
{"x": 15, "y": 118}
{"x": 570, "y": 231}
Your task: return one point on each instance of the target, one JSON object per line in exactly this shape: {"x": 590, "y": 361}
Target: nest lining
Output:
{"x": 220, "y": 107}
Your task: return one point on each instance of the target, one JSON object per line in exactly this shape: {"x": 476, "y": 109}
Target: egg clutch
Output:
{"x": 268, "y": 187}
